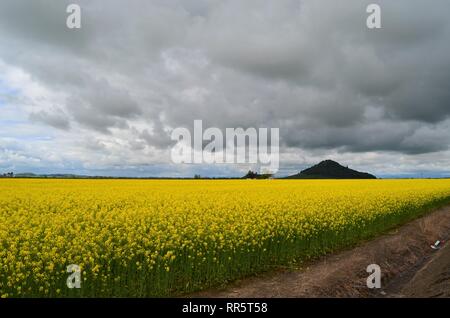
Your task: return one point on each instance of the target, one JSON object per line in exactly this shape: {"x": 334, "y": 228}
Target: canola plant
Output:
{"x": 147, "y": 238}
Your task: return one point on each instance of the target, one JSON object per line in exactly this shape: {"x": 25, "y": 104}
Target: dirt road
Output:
{"x": 409, "y": 266}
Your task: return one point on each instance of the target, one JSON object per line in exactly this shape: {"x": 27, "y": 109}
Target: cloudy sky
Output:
{"x": 103, "y": 99}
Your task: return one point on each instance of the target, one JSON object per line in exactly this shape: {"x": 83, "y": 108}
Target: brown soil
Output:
{"x": 409, "y": 267}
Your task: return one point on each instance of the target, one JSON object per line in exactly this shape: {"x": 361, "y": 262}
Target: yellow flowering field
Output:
{"x": 143, "y": 238}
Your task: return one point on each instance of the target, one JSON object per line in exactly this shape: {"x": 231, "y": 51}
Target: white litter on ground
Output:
{"x": 436, "y": 245}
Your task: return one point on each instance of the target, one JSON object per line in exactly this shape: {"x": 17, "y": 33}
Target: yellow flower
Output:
{"x": 183, "y": 235}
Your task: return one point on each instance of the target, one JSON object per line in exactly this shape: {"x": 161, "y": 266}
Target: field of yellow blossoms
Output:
{"x": 144, "y": 238}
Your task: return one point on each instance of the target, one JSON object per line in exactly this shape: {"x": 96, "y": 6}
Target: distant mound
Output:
{"x": 330, "y": 169}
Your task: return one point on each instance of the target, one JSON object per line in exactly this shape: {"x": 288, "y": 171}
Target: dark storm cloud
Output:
{"x": 311, "y": 68}
{"x": 406, "y": 137}
{"x": 54, "y": 118}
{"x": 110, "y": 101}
{"x": 158, "y": 137}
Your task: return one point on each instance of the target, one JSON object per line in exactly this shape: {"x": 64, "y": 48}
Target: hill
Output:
{"x": 330, "y": 169}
